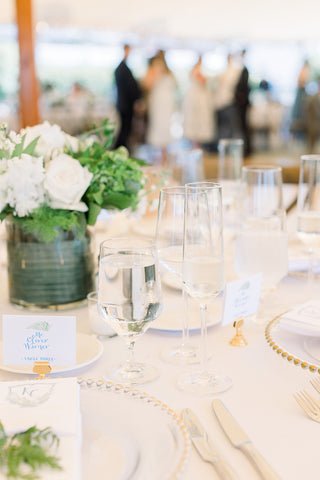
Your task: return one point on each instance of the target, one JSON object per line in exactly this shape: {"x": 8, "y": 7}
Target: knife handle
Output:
{"x": 224, "y": 469}
{"x": 261, "y": 465}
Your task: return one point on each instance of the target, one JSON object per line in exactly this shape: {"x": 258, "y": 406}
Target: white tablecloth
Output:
{"x": 260, "y": 399}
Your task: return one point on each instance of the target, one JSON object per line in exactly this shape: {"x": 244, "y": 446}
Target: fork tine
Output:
{"x": 302, "y": 404}
{"x": 313, "y": 401}
{"x": 315, "y": 382}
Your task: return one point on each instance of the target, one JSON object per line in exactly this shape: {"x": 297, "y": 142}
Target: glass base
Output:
{"x": 181, "y": 355}
{"x": 203, "y": 383}
{"x": 136, "y": 374}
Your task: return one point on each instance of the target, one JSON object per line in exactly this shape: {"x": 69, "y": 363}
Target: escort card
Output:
{"x": 241, "y": 298}
{"x": 30, "y": 338}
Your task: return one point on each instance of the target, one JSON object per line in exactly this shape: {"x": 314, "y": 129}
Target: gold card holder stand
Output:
{"x": 238, "y": 340}
{"x": 42, "y": 369}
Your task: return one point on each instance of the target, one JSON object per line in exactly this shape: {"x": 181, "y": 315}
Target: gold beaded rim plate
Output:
{"x": 284, "y": 353}
{"x": 175, "y": 424}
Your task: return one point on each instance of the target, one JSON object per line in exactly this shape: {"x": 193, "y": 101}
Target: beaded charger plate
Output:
{"x": 130, "y": 435}
{"x": 301, "y": 350}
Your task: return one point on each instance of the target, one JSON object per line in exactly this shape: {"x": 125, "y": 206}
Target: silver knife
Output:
{"x": 240, "y": 440}
{"x": 205, "y": 448}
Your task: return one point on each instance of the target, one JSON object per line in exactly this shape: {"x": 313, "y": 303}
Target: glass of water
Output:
{"x": 129, "y": 297}
{"x": 308, "y": 207}
{"x": 262, "y": 241}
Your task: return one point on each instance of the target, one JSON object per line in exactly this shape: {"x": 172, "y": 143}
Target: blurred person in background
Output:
{"x": 299, "y": 109}
{"x": 128, "y": 92}
{"x": 198, "y": 109}
{"x": 160, "y": 86}
{"x": 227, "y": 115}
{"x": 313, "y": 120}
{"x": 242, "y": 91}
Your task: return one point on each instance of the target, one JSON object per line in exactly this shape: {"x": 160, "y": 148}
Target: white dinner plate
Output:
{"x": 129, "y": 435}
{"x": 89, "y": 349}
{"x": 171, "y": 320}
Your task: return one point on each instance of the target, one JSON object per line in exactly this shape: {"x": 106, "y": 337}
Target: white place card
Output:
{"x": 30, "y": 338}
{"x": 241, "y": 298}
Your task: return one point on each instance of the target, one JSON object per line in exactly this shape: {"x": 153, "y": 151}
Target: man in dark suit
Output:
{"x": 128, "y": 92}
{"x": 242, "y": 103}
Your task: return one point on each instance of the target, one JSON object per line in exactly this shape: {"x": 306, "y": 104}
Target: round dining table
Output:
{"x": 263, "y": 382}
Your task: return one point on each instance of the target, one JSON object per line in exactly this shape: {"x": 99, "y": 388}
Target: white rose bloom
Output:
{"x": 24, "y": 184}
{"x": 51, "y": 138}
{"x": 65, "y": 183}
{"x": 3, "y": 191}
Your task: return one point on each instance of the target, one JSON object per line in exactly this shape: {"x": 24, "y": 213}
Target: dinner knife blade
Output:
{"x": 241, "y": 440}
{"x": 205, "y": 448}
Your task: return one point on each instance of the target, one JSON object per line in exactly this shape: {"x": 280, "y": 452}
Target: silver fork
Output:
{"x": 309, "y": 404}
{"x": 315, "y": 382}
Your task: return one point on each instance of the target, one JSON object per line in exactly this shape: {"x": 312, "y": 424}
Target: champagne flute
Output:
{"x": 203, "y": 272}
{"x": 169, "y": 241}
{"x": 308, "y": 207}
{"x": 262, "y": 240}
{"x": 129, "y": 298}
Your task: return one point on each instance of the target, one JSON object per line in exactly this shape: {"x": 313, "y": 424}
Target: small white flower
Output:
{"x": 15, "y": 137}
{"x": 65, "y": 183}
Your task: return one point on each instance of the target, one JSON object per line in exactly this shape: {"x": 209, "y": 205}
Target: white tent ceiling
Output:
{"x": 204, "y": 19}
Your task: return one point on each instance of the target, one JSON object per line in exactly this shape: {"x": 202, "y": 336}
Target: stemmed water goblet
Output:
{"x": 129, "y": 298}
{"x": 262, "y": 241}
{"x": 308, "y": 207}
{"x": 203, "y": 272}
{"x": 169, "y": 241}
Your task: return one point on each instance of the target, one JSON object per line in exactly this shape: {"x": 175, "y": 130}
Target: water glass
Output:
{"x": 308, "y": 206}
{"x": 129, "y": 298}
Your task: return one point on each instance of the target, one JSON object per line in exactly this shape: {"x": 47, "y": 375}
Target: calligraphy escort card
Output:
{"x": 31, "y": 338}
{"x": 241, "y": 298}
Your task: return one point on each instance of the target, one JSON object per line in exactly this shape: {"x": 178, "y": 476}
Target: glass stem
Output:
{"x": 130, "y": 362}
{"x": 203, "y": 349}
{"x": 185, "y": 321}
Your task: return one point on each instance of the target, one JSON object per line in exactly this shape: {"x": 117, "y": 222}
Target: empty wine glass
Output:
{"x": 129, "y": 297}
{"x": 169, "y": 241}
{"x": 203, "y": 272}
{"x": 308, "y": 207}
{"x": 262, "y": 240}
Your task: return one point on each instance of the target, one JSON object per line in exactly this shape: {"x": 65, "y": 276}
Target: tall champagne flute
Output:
{"x": 203, "y": 272}
{"x": 308, "y": 207}
{"x": 262, "y": 240}
{"x": 129, "y": 298}
{"x": 169, "y": 241}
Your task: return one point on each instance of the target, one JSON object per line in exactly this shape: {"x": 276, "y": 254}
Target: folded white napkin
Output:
{"x": 304, "y": 319}
{"x": 53, "y": 403}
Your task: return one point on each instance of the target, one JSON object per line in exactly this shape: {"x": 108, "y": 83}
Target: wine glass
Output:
{"x": 203, "y": 272}
{"x": 308, "y": 207}
{"x": 262, "y": 241}
{"x": 169, "y": 241}
{"x": 129, "y": 298}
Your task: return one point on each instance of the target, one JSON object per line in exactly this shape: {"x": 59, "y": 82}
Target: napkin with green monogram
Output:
{"x": 51, "y": 403}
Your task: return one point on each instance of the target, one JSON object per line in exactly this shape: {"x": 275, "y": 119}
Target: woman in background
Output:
{"x": 160, "y": 85}
{"x": 198, "y": 108}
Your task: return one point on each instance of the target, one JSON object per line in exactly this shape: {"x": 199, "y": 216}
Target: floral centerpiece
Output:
{"x": 52, "y": 186}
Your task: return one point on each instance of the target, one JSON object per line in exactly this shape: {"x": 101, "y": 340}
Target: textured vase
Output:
{"x": 54, "y": 275}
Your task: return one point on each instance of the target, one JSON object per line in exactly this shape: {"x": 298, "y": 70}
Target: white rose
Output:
{"x": 65, "y": 183}
{"x": 51, "y": 138}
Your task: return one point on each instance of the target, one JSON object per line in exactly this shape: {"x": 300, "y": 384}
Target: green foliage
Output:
{"x": 117, "y": 179}
{"x": 23, "y": 454}
{"x": 46, "y": 224}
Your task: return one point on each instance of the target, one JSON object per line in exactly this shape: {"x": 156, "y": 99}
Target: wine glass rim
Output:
{"x": 128, "y": 243}
{"x": 312, "y": 156}
{"x": 261, "y": 168}
{"x": 205, "y": 185}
